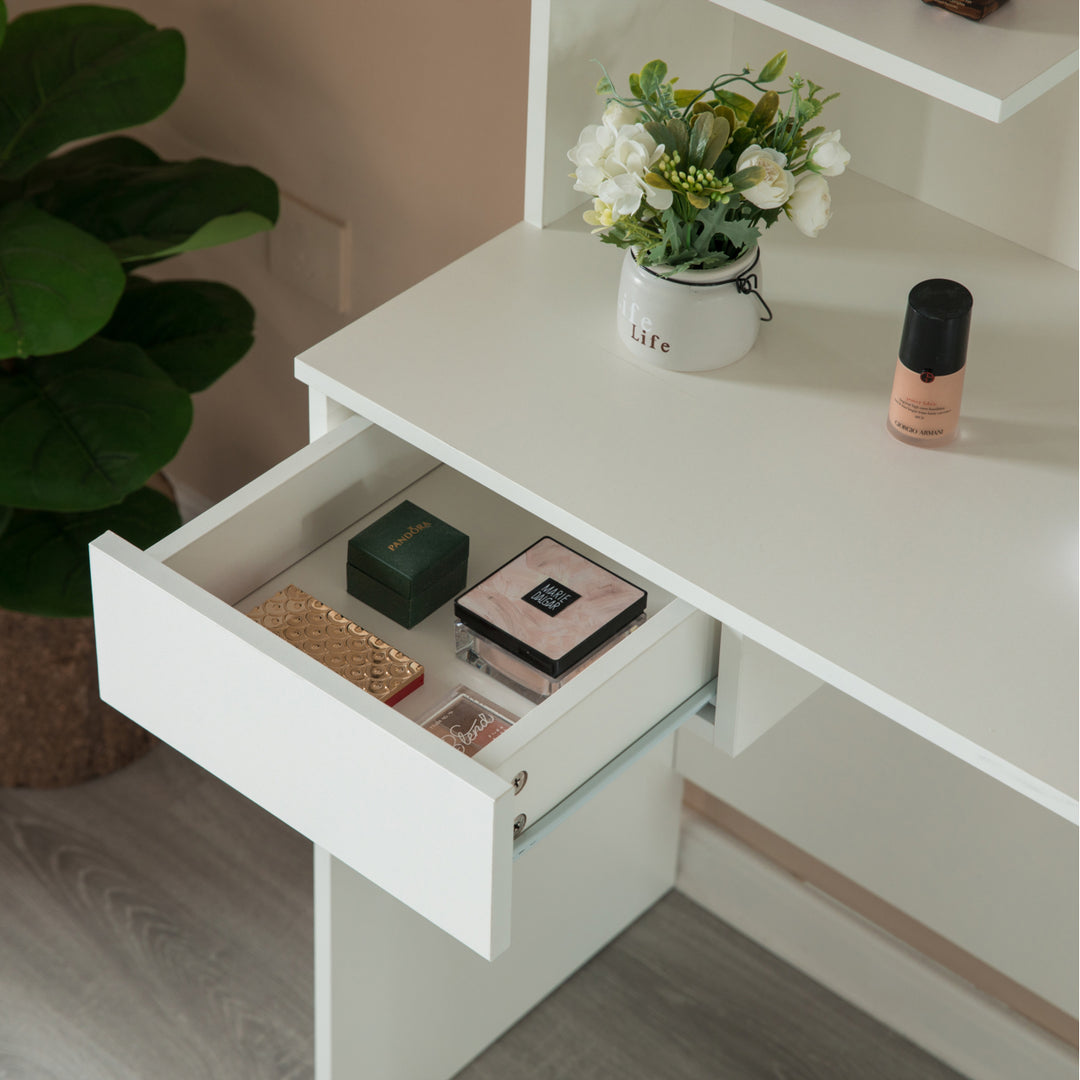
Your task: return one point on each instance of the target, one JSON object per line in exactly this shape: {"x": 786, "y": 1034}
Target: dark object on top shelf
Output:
{"x": 970, "y": 9}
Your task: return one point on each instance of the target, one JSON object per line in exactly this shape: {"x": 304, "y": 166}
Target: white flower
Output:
{"x": 776, "y": 188}
{"x": 599, "y": 215}
{"x": 826, "y": 155}
{"x": 634, "y": 151}
{"x": 658, "y": 198}
{"x": 593, "y": 146}
{"x": 622, "y": 193}
{"x": 810, "y": 207}
{"x": 612, "y": 163}
{"x": 618, "y": 116}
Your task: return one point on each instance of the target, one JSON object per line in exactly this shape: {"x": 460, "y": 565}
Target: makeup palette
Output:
{"x": 342, "y": 645}
{"x": 467, "y": 721}
{"x": 550, "y": 607}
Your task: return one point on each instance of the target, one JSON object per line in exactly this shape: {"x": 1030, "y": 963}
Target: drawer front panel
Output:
{"x": 428, "y": 825}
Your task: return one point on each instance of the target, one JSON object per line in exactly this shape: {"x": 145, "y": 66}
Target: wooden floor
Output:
{"x": 154, "y": 925}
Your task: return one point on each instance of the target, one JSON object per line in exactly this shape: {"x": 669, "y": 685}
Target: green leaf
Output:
{"x": 3, "y": 20}
{"x": 723, "y": 112}
{"x": 657, "y": 181}
{"x": 740, "y": 106}
{"x": 221, "y": 230}
{"x": 156, "y": 210}
{"x": 44, "y": 562}
{"x": 721, "y": 134}
{"x": 81, "y": 430}
{"x": 665, "y": 98}
{"x": 683, "y": 98}
{"x": 746, "y": 178}
{"x": 740, "y": 140}
{"x": 73, "y": 72}
{"x": 678, "y": 138}
{"x": 673, "y": 234}
{"x": 635, "y": 86}
{"x": 605, "y": 85}
{"x": 659, "y": 132}
{"x": 700, "y": 134}
{"x": 58, "y": 285}
{"x": 713, "y": 222}
{"x": 193, "y": 330}
{"x": 117, "y": 151}
{"x": 764, "y": 111}
{"x": 774, "y": 68}
{"x": 652, "y": 76}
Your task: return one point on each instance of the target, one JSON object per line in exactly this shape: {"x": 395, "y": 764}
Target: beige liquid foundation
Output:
{"x": 929, "y": 379}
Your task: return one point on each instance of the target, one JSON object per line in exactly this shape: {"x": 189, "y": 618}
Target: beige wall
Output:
{"x": 404, "y": 120}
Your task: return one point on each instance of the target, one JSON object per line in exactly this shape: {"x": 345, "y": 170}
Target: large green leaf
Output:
{"x": 220, "y": 230}
{"x": 194, "y": 330}
{"x": 81, "y": 430}
{"x": 72, "y": 72}
{"x": 116, "y": 151}
{"x": 58, "y": 284}
{"x": 154, "y": 210}
{"x": 44, "y": 563}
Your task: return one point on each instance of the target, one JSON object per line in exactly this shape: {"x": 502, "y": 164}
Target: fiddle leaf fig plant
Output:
{"x": 97, "y": 361}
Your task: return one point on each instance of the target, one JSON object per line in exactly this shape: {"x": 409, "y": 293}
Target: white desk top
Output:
{"x": 937, "y": 586}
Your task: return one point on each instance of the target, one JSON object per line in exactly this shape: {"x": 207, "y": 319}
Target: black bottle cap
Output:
{"x": 936, "y": 327}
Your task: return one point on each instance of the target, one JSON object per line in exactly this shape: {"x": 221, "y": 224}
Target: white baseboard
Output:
{"x": 947, "y": 1017}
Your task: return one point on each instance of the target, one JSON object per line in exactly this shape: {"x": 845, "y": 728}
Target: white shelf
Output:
{"x": 938, "y": 587}
{"x": 991, "y": 68}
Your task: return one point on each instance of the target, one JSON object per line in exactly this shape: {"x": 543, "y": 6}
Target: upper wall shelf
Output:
{"x": 991, "y": 68}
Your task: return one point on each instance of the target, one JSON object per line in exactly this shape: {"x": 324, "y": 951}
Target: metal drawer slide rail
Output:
{"x": 642, "y": 745}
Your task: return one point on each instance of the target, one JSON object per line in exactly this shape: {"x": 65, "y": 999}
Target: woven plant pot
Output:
{"x": 54, "y": 728}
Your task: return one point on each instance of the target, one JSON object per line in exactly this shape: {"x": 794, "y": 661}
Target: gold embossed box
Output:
{"x": 342, "y": 645}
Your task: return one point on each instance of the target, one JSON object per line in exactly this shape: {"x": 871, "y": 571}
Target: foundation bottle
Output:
{"x": 925, "y": 404}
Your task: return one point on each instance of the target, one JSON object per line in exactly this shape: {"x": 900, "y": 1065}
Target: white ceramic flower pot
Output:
{"x": 694, "y": 320}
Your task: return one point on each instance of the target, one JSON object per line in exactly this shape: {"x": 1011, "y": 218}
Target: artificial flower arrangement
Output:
{"x": 691, "y": 178}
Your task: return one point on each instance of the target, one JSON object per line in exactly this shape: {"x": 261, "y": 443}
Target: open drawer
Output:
{"x": 431, "y": 826}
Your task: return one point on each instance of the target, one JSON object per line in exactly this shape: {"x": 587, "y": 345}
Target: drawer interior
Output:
{"x": 257, "y": 543}
{"x": 497, "y": 531}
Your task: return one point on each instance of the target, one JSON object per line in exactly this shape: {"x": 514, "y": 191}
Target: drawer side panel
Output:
{"x": 280, "y": 516}
{"x": 418, "y": 819}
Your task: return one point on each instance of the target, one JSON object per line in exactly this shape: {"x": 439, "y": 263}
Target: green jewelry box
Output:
{"x": 407, "y": 564}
